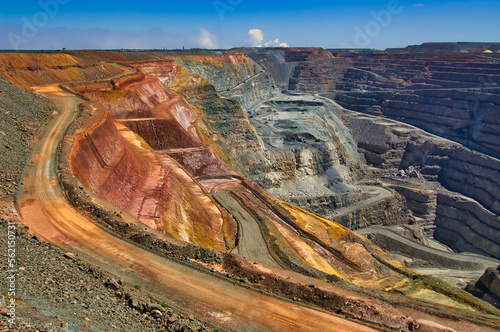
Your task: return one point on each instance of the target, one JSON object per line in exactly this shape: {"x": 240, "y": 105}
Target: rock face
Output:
{"x": 455, "y": 97}
{"x": 466, "y": 117}
{"x": 441, "y": 181}
{"x": 301, "y": 151}
{"x": 233, "y": 75}
{"x": 125, "y": 172}
{"x": 487, "y": 287}
{"x": 451, "y": 188}
{"x": 273, "y": 60}
{"x": 465, "y": 225}
{"x": 470, "y": 222}
{"x": 172, "y": 163}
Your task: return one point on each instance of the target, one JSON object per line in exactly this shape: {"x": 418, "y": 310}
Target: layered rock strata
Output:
{"x": 167, "y": 180}
{"x": 157, "y": 191}
{"x": 443, "y": 182}
{"x": 449, "y": 95}
{"x": 301, "y": 151}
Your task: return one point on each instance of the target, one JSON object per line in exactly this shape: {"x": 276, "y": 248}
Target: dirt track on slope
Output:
{"x": 45, "y": 210}
{"x": 251, "y": 242}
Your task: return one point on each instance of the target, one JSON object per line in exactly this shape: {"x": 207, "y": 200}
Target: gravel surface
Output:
{"x": 21, "y": 114}
{"x": 56, "y": 291}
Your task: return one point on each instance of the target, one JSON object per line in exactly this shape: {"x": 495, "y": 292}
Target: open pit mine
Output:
{"x": 280, "y": 189}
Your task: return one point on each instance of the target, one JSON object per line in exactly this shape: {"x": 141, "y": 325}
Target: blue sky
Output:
{"x": 75, "y": 24}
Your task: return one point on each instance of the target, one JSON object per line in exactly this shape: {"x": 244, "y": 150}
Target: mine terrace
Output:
{"x": 253, "y": 188}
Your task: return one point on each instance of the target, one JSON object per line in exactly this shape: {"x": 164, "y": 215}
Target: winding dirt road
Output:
{"x": 45, "y": 210}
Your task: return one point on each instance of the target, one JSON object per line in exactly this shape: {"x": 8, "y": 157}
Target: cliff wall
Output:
{"x": 467, "y": 117}
{"x": 126, "y": 171}
{"x": 427, "y": 171}
{"x": 301, "y": 152}
{"x": 234, "y": 76}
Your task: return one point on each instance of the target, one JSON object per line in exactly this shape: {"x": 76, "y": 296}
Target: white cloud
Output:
{"x": 275, "y": 43}
{"x": 256, "y": 39}
{"x": 207, "y": 40}
{"x": 419, "y": 4}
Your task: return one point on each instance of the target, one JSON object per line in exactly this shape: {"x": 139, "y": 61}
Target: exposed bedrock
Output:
{"x": 467, "y": 117}
{"x": 232, "y": 69}
{"x": 465, "y": 225}
{"x": 276, "y": 65}
{"x": 228, "y": 127}
{"x": 421, "y": 202}
{"x": 301, "y": 152}
{"x": 450, "y": 188}
{"x": 134, "y": 179}
{"x": 317, "y": 70}
{"x": 387, "y": 212}
{"x": 457, "y": 168}
{"x": 473, "y": 175}
{"x": 487, "y": 287}
{"x": 371, "y": 71}
{"x": 26, "y": 69}
{"x": 455, "y": 97}
{"x": 126, "y": 172}
{"x": 235, "y": 76}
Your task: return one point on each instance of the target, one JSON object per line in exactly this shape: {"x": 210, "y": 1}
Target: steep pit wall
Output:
{"x": 276, "y": 65}
{"x": 453, "y": 96}
{"x": 467, "y": 117}
{"x": 457, "y": 168}
{"x": 422, "y": 202}
{"x": 133, "y": 178}
{"x": 387, "y": 212}
{"x": 469, "y": 222}
{"x": 456, "y": 97}
{"x": 320, "y": 153}
{"x": 460, "y": 221}
{"x": 151, "y": 91}
{"x": 375, "y": 71}
{"x": 474, "y": 175}
{"x": 222, "y": 71}
{"x": 161, "y": 134}
{"x": 253, "y": 91}
{"x": 201, "y": 163}
{"x": 107, "y": 153}
{"x": 464, "y": 225}
{"x": 121, "y": 104}
{"x": 147, "y": 107}
{"x": 234, "y": 76}
{"x": 317, "y": 70}
{"x": 233, "y": 134}
{"x": 171, "y": 74}
{"x": 381, "y": 143}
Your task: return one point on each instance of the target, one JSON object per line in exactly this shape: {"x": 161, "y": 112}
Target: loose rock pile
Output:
{"x": 21, "y": 114}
